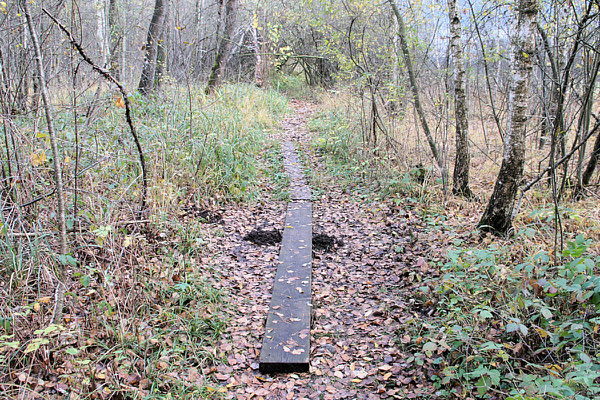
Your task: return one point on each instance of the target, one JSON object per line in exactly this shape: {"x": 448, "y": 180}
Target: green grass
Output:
{"x": 294, "y": 86}
{"x": 355, "y": 164}
{"x": 141, "y": 306}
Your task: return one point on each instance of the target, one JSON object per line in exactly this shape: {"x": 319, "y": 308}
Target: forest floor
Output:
{"x": 409, "y": 299}
{"x": 359, "y": 292}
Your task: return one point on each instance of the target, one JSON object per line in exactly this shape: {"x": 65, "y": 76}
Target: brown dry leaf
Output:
{"x": 119, "y": 102}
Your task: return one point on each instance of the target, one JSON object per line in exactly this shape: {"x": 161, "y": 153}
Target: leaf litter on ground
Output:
{"x": 360, "y": 295}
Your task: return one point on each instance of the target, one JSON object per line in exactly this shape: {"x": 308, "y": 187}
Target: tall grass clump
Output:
{"x": 357, "y": 162}
{"x": 141, "y": 312}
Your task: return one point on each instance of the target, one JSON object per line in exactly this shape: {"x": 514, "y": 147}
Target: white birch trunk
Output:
{"x": 498, "y": 214}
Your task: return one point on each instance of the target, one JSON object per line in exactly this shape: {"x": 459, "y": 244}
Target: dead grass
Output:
{"x": 411, "y": 149}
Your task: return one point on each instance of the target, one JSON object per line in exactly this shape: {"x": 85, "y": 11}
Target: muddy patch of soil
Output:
{"x": 323, "y": 242}
{"x": 204, "y": 215}
{"x": 263, "y": 238}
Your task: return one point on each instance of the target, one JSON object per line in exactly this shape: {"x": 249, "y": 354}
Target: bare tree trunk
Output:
{"x": 146, "y": 84}
{"x": 101, "y": 31}
{"x": 51, "y": 133}
{"x": 415, "y": 89}
{"x": 583, "y": 127}
{"x": 224, "y": 46}
{"x": 116, "y": 39}
{"x": 591, "y": 166}
{"x": 497, "y": 217}
{"x": 21, "y": 100}
{"x": 259, "y": 68}
{"x": 161, "y": 55}
{"x": 60, "y": 288}
{"x": 463, "y": 158}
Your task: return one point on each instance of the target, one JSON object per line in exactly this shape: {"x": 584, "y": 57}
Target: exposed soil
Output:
{"x": 320, "y": 241}
{"x": 263, "y": 238}
{"x": 323, "y": 242}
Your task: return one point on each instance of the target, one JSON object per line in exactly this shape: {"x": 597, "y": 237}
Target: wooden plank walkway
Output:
{"x": 286, "y": 344}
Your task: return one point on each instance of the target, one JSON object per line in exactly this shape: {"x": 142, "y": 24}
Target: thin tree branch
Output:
{"x": 128, "y": 116}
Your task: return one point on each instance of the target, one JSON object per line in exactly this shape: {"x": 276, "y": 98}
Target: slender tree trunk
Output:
{"x": 259, "y": 67}
{"x": 101, "y": 31}
{"x": 198, "y": 50}
{"x": 60, "y": 288}
{"x": 415, "y": 90}
{"x": 23, "y": 76}
{"x": 116, "y": 39}
{"x": 51, "y": 132}
{"x": 146, "y": 84}
{"x": 583, "y": 179}
{"x": 224, "y": 46}
{"x": 497, "y": 217}
{"x": 161, "y": 55}
{"x": 591, "y": 166}
{"x": 463, "y": 158}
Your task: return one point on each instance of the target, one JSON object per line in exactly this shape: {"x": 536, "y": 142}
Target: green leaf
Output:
{"x": 490, "y": 346}
{"x": 35, "y": 344}
{"x": 72, "y": 351}
{"x": 546, "y": 313}
{"x": 523, "y": 329}
{"x": 585, "y": 358}
{"x": 483, "y": 385}
{"x": 429, "y": 348}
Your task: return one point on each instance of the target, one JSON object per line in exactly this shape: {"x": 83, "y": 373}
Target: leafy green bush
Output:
{"x": 525, "y": 331}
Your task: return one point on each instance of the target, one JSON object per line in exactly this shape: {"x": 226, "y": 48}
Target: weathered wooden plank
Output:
{"x": 299, "y": 189}
{"x": 286, "y": 345}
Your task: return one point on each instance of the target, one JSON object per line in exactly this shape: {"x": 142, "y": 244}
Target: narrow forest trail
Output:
{"x": 358, "y": 294}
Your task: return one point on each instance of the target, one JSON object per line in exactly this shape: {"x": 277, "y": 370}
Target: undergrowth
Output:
{"x": 362, "y": 166}
{"x": 495, "y": 319}
{"x": 500, "y": 324}
{"x": 141, "y": 319}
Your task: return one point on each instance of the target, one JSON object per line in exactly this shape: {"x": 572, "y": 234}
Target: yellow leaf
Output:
{"x": 128, "y": 241}
{"x": 357, "y": 380}
{"x": 36, "y": 307}
{"x": 543, "y": 333}
{"x": 119, "y": 102}
{"x": 44, "y": 300}
{"x": 38, "y": 158}
{"x": 41, "y": 135}
{"x": 67, "y": 160}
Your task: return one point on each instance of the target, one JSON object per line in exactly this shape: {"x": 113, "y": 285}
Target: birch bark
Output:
{"x": 497, "y": 217}
{"x": 463, "y": 159}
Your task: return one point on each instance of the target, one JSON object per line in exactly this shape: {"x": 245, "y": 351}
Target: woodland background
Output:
{"x": 121, "y": 119}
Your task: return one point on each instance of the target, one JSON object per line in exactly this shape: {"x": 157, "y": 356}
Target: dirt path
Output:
{"x": 359, "y": 312}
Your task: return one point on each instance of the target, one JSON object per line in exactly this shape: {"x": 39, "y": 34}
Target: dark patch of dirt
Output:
{"x": 209, "y": 217}
{"x": 204, "y": 215}
{"x": 263, "y": 238}
{"x": 323, "y": 242}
